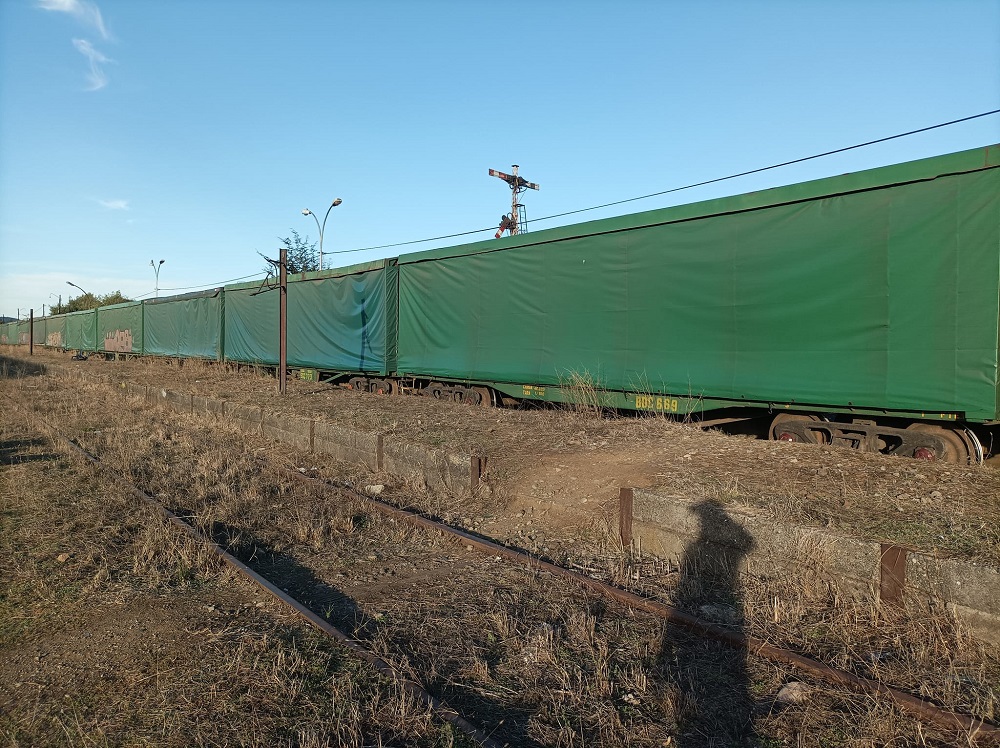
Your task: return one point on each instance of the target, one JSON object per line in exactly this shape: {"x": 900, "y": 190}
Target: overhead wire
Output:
{"x": 616, "y": 202}
{"x": 687, "y": 186}
{"x": 205, "y": 285}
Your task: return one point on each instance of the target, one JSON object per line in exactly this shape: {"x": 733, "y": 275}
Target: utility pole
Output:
{"x": 283, "y": 321}
{"x": 516, "y": 222}
{"x": 31, "y": 334}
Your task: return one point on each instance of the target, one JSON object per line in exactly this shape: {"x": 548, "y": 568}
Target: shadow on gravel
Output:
{"x": 17, "y": 451}
{"x": 297, "y": 580}
{"x": 707, "y": 680}
{"x": 340, "y": 610}
{"x": 16, "y": 368}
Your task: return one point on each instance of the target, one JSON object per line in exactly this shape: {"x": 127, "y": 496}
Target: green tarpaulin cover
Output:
{"x": 184, "y": 326}
{"x": 339, "y": 320}
{"x": 119, "y": 328}
{"x": 873, "y": 290}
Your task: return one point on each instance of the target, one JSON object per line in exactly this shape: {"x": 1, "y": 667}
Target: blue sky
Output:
{"x": 197, "y": 131}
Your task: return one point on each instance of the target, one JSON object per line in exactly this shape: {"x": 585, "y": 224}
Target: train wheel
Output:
{"x": 435, "y": 390}
{"x": 483, "y": 397}
{"x": 959, "y": 447}
{"x": 779, "y": 431}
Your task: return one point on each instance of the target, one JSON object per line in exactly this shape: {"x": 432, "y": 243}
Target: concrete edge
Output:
{"x": 377, "y": 452}
{"x": 668, "y": 526}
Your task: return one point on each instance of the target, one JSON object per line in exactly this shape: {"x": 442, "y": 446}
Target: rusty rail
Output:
{"x": 974, "y": 727}
{"x": 411, "y": 687}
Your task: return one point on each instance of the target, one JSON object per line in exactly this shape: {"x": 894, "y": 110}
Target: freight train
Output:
{"x": 860, "y": 310}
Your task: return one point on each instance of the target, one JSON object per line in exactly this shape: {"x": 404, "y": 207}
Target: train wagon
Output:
{"x": 55, "y": 331}
{"x": 860, "y": 309}
{"x": 184, "y": 326}
{"x": 81, "y": 331}
{"x": 119, "y": 328}
{"x": 341, "y": 323}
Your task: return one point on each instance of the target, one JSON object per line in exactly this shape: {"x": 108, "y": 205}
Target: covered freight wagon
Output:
{"x": 874, "y": 293}
{"x": 340, "y": 321}
{"x": 119, "y": 328}
{"x": 55, "y": 331}
{"x": 185, "y": 326}
{"x": 81, "y": 330}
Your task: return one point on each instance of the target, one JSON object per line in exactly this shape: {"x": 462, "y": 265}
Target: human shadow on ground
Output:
{"x": 16, "y": 368}
{"x": 707, "y": 680}
{"x": 17, "y": 451}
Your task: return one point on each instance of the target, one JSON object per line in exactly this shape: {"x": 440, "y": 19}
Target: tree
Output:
{"x": 89, "y": 301}
{"x": 302, "y": 256}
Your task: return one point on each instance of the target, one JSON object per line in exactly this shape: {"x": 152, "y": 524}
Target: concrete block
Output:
{"x": 245, "y": 417}
{"x": 208, "y": 406}
{"x": 133, "y": 390}
{"x": 439, "y": 469}
{"x": 293, "y": 431}
{"x": 671, "y": 526}
{"x": 179, "y": 402}
{"x": 346, "y": 444}
{"x": 964, "y": 583}
{"x": 457, "y": 471}
{"x": 983, "y": 626}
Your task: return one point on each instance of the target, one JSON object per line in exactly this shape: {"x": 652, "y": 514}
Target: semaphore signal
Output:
{"x": 515, "y": 222}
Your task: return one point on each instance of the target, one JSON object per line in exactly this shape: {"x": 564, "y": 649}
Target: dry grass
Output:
{"x": 117, "y": 629}
{"x": 545, "y": 664}
{"x": 945, "y": 508}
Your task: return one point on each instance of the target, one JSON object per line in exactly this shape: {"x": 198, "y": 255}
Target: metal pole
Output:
{"x": 283, "y": 322}
{"x": 31, "y": 334}
{"x": 513, "y": 203}
{"x": 156, "y": 271}
{"x": 320, "y": 230}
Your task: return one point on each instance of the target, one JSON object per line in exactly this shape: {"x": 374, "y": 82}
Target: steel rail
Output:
{"x": 975, "y": 728}
{"x": 409, "y": 686}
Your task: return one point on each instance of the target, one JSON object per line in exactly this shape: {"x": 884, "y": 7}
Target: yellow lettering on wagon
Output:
{"x": 643, "y": 402}
{"x": 662, "y": 404}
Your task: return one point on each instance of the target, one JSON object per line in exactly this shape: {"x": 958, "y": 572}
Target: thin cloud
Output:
{"x": 83, "y": 11}
{"x": 115, "y": 204}
{"x": 96, "y": 76}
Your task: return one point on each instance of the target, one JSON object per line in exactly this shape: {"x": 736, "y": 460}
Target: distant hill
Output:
{"x": 7, "y": 319}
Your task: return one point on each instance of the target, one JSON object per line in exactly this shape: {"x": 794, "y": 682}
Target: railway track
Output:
{"x": 922, "y": 709}
{"x": 408, "y": 685}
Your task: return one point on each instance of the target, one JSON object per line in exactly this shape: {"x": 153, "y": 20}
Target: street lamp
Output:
{"x": 71, "y": 283}
{"x": 308, "y": 212}
{"x": 156, "y": 269}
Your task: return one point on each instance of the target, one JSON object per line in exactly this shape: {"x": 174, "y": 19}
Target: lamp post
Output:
{"x": 71, "y": 283}
{"x": 156, "y": 269}
{"x": 307, "y": 212}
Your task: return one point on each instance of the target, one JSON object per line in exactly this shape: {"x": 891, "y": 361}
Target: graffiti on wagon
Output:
{"x": 119, "y": 341}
